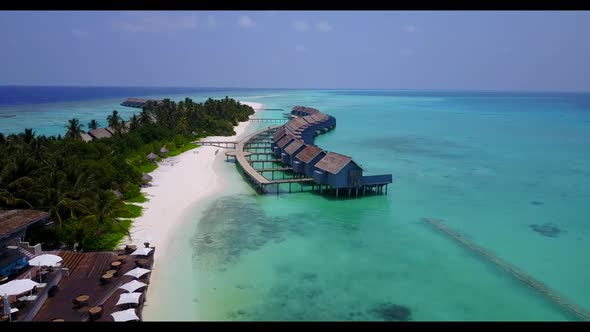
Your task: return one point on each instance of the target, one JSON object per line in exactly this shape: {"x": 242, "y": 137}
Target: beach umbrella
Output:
{"x": 126, "y": 298}
{"x": 46, "y": 260}
{"x": 125, "y": 315}
{"x": 132, "y": 286}
{"x": 19, "y": 286}
{"x": 137, "y": 272}
{"x": 141, "y": 252}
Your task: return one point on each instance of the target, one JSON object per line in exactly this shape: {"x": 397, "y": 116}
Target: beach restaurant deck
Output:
{"x": 289, "y": 152}
{"x": 95, "y": 284}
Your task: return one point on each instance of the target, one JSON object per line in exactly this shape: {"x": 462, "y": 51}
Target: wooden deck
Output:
{"x": 241, "y": 158}
{"x": 85, "y": 270}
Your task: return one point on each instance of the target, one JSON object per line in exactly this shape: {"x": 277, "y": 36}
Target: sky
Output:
{"x": 460, "y": 50}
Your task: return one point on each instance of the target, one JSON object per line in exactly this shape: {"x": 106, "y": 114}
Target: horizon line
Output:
{"x": 291, "y": 88}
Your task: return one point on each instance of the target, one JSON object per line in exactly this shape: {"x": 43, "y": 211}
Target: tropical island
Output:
{"x": 86, "y": 187}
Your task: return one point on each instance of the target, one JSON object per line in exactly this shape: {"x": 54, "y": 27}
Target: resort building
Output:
{"x": 14, "y": 253}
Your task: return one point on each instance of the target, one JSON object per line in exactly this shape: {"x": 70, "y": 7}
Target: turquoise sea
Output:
{"x": 488, "y": 164}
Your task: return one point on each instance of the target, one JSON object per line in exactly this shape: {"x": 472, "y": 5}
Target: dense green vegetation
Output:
{"x": 76, "y": 181}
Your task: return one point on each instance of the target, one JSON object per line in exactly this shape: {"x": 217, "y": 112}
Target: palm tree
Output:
{"x": 18, "y": 187}
{"x": 74, "y": 128}
{"x": 134, "y": 122}
{"x": 114, "y": 121}
{"x": 28, "y": 135}
{"x": 93, "y": 124}
{"x": 102, "y": 209}
{"x": 145, "y": 117}
{"x": 64, "y": 186}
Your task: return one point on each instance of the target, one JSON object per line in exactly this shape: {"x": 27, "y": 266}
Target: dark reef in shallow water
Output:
{"x": 547, "y": 229}
{"x": 392, "y": 312}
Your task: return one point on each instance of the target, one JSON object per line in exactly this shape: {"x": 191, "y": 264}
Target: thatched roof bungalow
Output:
{"x": 152, "y": 157}
{"x": 99, "y": 133}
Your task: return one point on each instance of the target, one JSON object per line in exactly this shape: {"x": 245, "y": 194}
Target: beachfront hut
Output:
{"x": 163, "y": 150}
{"x": 13, "y": 227}
{"x": 292, "y": 150}
{"x": 304, "y": 161}
{"x": 282, "y": 143}
{"x": 117, "y": 193}
{"x": 145, "y": 178}
{"x": 85, "y": 137}
{"x": 338, "y": 171}
{"x": 152, "y": 157}
{"x": 99, "y": 133}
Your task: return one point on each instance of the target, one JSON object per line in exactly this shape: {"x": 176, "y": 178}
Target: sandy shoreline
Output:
{"x": 178, "y": 184}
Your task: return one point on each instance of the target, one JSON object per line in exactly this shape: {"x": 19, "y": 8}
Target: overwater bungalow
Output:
{"x": 304, "y": 161}
{"x": 338, "y": 171}
{"x": 292, "y": 150}
{"x": 282, "y": 143}
{"x": 136, "y": 102}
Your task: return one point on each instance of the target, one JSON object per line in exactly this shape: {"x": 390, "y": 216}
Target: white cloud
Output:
{"x": 410, "y": 28}
{"x": 300, "y": 25}
{"x": 246, "y": 22}
{"x": 324, "y": 26}
{"x": 301, "y": 48}
{"x": 406, "y": 52}
{"x": 157, "y": 23}
{"x": 79, "y": 32}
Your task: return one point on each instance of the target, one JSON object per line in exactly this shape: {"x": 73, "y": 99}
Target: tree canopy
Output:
{"x": 74, "y": 181}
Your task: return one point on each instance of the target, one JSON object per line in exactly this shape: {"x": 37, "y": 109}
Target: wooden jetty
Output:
{"x": 281, "y": 120}
{"x": 219, "y": 144}
{"x": 550, "y": 294}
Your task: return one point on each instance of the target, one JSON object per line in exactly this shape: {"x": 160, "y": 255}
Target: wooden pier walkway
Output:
{"x": 278, "y": 169}
{"x": 281, "y": 120}
{"x": 550, "y": 294}
{"x": 219, "y": 144}
{"x": 256, "y": 177}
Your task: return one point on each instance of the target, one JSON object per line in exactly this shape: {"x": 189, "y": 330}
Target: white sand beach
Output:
{"x": 178, "y": 184}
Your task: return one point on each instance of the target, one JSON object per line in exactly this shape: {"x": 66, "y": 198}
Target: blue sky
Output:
{"x": 507, "y": 50}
